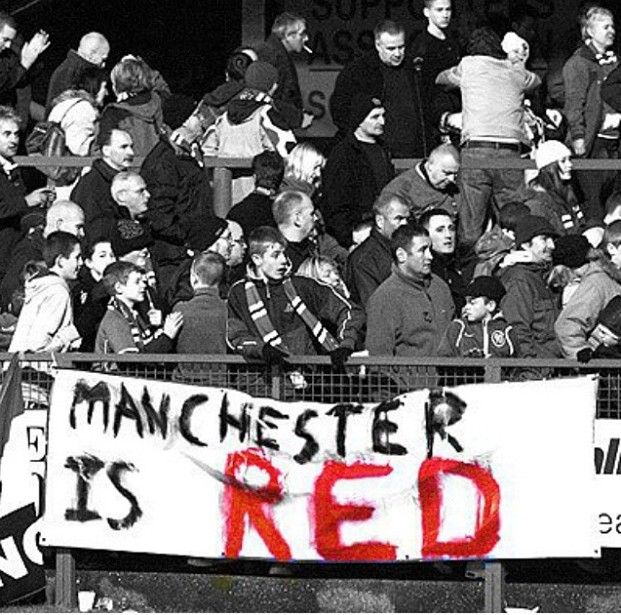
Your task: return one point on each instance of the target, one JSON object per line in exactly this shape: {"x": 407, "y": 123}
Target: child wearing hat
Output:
{"x": 482, "y": 331}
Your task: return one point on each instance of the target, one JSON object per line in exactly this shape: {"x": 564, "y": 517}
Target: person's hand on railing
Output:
{"x": 579, "y": 147}
{"x": 584, "y": 355}
{"x": 34, "y": 48}
{"x": 41, "y": 197}
{"x": 173, "y": 324}
{"x": 339, "y": 357}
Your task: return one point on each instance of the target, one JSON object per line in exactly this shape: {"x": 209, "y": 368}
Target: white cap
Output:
{"x": 549, "y": 152}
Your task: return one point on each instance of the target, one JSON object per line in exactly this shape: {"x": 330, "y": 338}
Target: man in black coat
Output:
{"x": 288, "y": 36}
{"x": 92, "y": 192}
{"x": 357, "y": 170}
{"x": 387, "y": 74}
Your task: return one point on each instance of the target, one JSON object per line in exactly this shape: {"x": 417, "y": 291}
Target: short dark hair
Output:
{"x": 485, "y": 42}
{"x": 426, "y": 216}
{"x": 268, "y": 168}
{"x": 388, "y": 26}
{"x": 261, "y": 237}
{"x": 89, "y": 246}
{"x": 511, "y": 213}
{"x": 58, "y": 243}
{"x": 209, "y": 268}
{"x": 118, "y": 273}
{"x": 236, "y": 65}
{"x": 402, "y": 237}
{"x": 7, "y": 20}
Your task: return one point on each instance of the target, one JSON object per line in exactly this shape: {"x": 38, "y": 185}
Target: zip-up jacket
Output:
{"x": 490, "y": 337}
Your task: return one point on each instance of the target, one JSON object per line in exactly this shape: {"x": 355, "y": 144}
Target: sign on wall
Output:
{"x": 138, "y": 465}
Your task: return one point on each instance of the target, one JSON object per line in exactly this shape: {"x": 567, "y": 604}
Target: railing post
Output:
{"x": 66, "y": 595}
{"x": 493, "y": 572}
{"x": 222, "y": 191}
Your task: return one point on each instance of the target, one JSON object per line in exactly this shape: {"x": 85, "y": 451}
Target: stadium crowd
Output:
{"x": 327, "y": 255}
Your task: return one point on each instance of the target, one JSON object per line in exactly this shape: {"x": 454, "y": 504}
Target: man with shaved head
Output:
{"x": 61, "y": 216}
{"x": 91, "y": 53}
{"x": 431, "y": 184}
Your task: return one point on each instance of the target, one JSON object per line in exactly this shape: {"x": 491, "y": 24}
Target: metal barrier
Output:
{"x": 222, "y": 174}
{"x": 367, "y": 379}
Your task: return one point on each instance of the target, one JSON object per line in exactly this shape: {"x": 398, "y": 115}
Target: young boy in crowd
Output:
{"x": 90, "y": 298}
{"x": 46, "y": 321}
{"x": 482, "y": 331}
{"x": 122, "y": 328}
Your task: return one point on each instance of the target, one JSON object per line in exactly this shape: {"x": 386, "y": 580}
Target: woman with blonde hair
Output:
{"x": 303, "y": 168}
{"x": 324, "y": 270}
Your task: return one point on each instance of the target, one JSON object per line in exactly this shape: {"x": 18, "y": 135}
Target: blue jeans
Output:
{"x": 484, "y": 191}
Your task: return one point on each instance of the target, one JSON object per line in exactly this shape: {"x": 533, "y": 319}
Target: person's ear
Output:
{"x": 401, "y": 255}
{"x": 611, "y": 249}
{"x": 492, "y": 305}
{"x": 256, "y": 259}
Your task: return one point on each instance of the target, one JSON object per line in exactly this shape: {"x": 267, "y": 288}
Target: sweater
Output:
{"x": 195, "y": 337}
{"x": 407, "y": 316}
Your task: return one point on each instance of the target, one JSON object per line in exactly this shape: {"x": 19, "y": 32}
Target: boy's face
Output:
{"x": 68, "y": 268}
{"x": 101, "y": 258}
{"x": 439, "y": 13}
{"x": 134, "y": 289}
{"x": 273, "y": 263}
{"x": 477, "y": 308}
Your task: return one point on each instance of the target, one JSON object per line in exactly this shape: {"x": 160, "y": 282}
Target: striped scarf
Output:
{"x": 142, "y": 333}
{"x": 268, "y": 333}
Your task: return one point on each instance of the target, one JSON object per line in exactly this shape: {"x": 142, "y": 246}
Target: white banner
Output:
{"x": 474, "y": 472}
{"x": 608, "y": 470}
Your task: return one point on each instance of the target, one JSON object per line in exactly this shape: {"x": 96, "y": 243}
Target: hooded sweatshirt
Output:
{"x": 46, "y": 320}
{"x": 141, "y": 116}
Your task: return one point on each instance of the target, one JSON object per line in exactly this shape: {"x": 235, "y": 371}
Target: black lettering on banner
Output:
{"x": 316, "y": 100}
{"x": 126, "y": 407}
{"x": 154, "y": 418}
{"x": 327, "y": 10}
{"x": 382, "y": 428}
{"x": 310, "y": 448}
{"x": 227, "y": 419}
{"x": 342, "y": 412}
{"x": 606, "y": 519}
{"x": 342, "y": 41}
{"x": 272, "y": 413}
{"x": 346, "y": 9}
{"x": 85, "y": 467}
{"x": 321, "y": 55}
{"x": 365, "y": 5}
{"x": 35, "y": 437}
{"x": 185, "y": 418}
{"x": 100, "y": 393}
{"x": 389, "y": 5}
{"x": 114, "y": 474}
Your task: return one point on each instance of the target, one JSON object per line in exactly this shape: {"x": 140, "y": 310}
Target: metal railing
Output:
{"x": 221, "y": 169}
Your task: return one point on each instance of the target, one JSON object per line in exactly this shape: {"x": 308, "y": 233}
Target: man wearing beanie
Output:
{"x": 529, "y": 305}
{"x": 357, "y": 170}
{"x": 386, "y": 73}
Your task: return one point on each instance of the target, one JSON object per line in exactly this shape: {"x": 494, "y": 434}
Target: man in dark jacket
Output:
{"x": 272, "y": 315}
{"x": 92, "y": 192}
{"x": 92, "y": 53}
{"x": 529, "y": 305}
{"x": 385, "y": 73}
{"x": 370, "y": 263}
{"x": 288, "y": 36}
{"x": 356, "y": 171}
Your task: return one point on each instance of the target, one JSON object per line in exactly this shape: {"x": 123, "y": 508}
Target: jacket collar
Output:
{"x": 416, "y": 281}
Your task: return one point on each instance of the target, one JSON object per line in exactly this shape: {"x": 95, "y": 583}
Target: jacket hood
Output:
{"x": 245, "y": 104}
{"x": 144, "y": 107}
{"x": 603, "y": 265}
{"x": 39, "y": 285}
{"x": 223, "y": 93}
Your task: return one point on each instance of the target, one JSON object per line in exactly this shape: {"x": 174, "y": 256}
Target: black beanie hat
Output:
{"x": 571, "y": 250}
{"x": 361, "y": 105}
{"x": 486, "y": 286}
{"x": 204, "y": 234}
{"x": 531, "y": 226}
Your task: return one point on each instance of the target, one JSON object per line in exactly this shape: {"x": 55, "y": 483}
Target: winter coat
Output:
{"x": 195, "y": 338}
{"x": 611, "y": 89}
{"x": 67, "y": 76}
{"x": 490, "y": 337}
{"x": 531, "y": 308}
{"x": 90, "y": 301}
{"x": 46, "y": 321}
{"x": 335, "y": 312}
{"x": 78, "y": 119}
{"x": 407, "y": 316}
{"x": 288, "y": 96}
{"x": 368, "y": 266}
{"x": 349, "y": 188}
{"x": 141, "y": 116}
{"x": 598, "y": 285}
{"x": 12, "y": 207}
{"x": 583, "y": 77}
{"x": 414, "y": 187}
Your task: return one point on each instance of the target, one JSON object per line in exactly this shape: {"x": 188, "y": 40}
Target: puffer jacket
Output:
{"x": 342, "y": 318}
{"x": 531, "y": 308}
{"x": 599, "y": 284}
